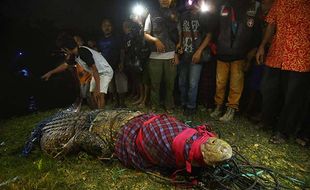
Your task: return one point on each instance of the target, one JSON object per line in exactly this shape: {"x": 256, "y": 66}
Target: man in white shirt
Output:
{"x": 91, "y": 61}
{"x": 162, "y": 62}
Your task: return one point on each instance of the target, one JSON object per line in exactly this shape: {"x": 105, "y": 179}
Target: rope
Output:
{"x": 236, "y": 173}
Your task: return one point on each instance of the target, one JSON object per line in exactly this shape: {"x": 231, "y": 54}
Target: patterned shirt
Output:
{"x": 290, "y": 49}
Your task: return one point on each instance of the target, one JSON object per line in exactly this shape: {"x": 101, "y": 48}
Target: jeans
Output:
{"x": 235, "y": 70}
{"x": 189, "y": 76}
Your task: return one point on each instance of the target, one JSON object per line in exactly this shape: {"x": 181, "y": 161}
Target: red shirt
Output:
{"x": 290, "y": 49}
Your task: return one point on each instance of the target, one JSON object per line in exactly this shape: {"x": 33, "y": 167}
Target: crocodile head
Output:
{"x": 215, "y": 150}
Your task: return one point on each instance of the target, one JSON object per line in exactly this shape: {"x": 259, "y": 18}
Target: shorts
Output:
{"x": 104, "y": 83}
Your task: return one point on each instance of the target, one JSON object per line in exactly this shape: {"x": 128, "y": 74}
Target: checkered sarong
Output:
{"x": 158, "y": 136}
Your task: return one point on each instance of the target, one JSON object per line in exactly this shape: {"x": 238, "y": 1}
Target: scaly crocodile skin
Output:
{"x": 93, "y": 132}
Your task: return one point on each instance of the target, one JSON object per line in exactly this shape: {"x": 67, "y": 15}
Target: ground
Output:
{"x": 39, "y": 171}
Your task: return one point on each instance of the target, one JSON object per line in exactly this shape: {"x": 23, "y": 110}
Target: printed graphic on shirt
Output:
{"x": 253, "y": 10}
{"x": 224, "y": 11}
{"x": 250, "y": 22}
{"x": 128, "y": 43}
{"x": 187, "y": 34}
{"x": 158, "y": 25}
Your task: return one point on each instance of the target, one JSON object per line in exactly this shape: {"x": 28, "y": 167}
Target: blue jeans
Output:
{"x": 189, "y": 76}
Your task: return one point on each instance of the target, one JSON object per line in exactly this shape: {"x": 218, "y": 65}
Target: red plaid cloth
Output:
{"x": 157, "y": 140}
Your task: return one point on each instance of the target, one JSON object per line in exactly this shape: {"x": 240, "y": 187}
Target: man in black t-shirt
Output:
{"x": 194, "y": 39}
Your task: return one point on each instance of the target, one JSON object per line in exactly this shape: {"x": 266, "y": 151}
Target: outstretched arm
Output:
{"x": 58, "y": 69}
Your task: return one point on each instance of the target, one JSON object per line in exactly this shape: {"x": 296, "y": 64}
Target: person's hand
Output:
{"x": 196, "y": 57}
{"x": 176, "y": 60}
{"x": 179, "y": 49}
{"x": 260, "y": 54}
{"x": 159, "y": 46}
{"x": 67, "y": 53}
{"x": 46, "y": 76}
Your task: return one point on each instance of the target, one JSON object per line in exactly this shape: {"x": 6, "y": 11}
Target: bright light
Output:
{"x": 204, "y": 7}
{"x": 190, "y": 2}
{"x": 138, "y": 10}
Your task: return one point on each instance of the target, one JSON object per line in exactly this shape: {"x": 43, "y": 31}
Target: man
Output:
{"x": 161, "y": 31}
{"x": 253, "y": 97}
{"x": 193, "y": 42}
{"x": 92, "y": 62}
{"x": 239, "y": 34}
{"x": 135, "y": 57}
{"x": 110, "y": 45}
{"x": 84, "y": 81}
{"x": 286, "y": 79}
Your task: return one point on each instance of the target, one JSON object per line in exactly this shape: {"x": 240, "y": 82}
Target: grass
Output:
{"x": 39, "y": 171}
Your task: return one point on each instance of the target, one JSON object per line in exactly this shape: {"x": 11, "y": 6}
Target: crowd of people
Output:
{"x": 259, "y": 51}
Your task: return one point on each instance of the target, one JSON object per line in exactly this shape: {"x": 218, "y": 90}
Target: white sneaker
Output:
{"x": 217, "y": 112}
{"x": 229, "y": 115}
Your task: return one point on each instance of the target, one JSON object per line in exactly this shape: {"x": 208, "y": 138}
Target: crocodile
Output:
{"x": 137, "y": 139}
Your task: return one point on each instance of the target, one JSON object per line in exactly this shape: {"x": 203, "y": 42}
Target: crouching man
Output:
{"x": 92, "y": 62}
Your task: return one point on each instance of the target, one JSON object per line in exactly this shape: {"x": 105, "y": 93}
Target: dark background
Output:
{"x": 29, "y": 29}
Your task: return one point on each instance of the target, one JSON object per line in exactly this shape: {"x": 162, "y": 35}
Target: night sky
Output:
{"x": 80, "y": 14}
{"x": 29, "y": 29}
{"x": 32, "y": 23}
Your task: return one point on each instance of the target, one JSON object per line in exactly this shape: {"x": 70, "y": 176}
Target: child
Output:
{"x": 109, "y": 46}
